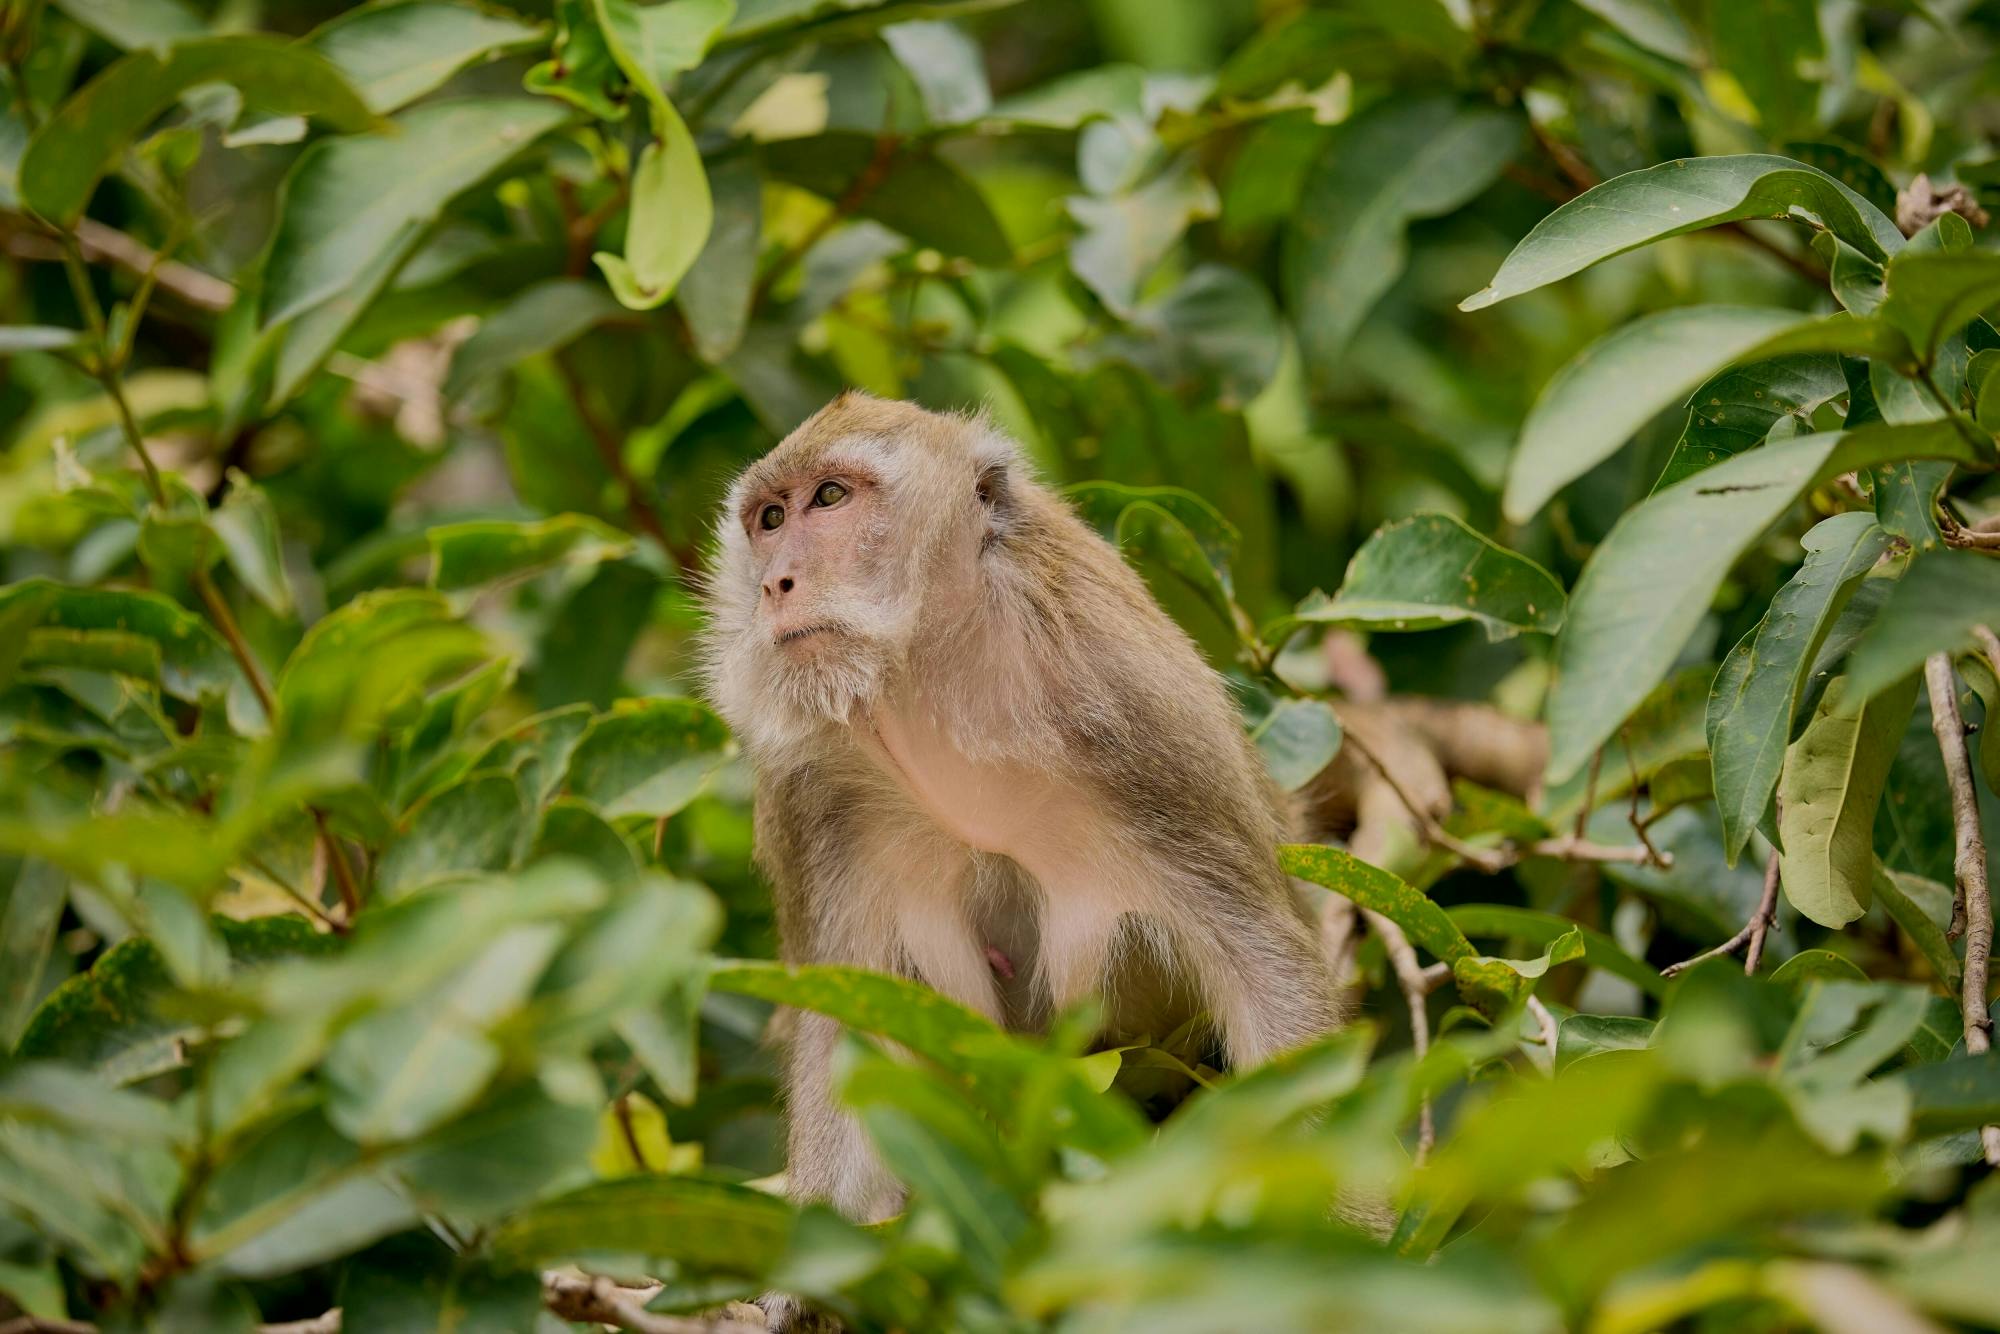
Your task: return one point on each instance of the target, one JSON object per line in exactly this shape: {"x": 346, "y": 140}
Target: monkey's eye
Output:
{"x": 770, "y": 517}
{"x": 829, "y": 493}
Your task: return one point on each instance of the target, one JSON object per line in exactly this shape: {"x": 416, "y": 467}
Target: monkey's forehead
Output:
{"x": 856, "y": 429}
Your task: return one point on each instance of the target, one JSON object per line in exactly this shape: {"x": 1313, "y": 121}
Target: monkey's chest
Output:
{"x": 1009, "y": 809}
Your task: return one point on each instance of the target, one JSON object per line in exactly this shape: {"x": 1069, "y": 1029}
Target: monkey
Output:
{"x": 986, "y": 759}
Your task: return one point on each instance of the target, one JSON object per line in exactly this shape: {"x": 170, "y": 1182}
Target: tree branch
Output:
{"x": 590, "y": 1299}
{"x": 1753, "y": 931}
{"x": 1972, "y": 904}
{"x": 1415, "y": 987}
{"x": 107, "y": 245}
{"x": 611, "y": 451}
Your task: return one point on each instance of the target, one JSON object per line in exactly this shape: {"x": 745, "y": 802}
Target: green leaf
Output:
{"x": 247, "y": 528}
{"x": 1653, "y": 24}
{"x": 1772, "y": 50}
{"x": 948, "y": 68}
{"x": 28, "y": 920}
{"x": 468, "y": 555}
{"x": 1377, "y": 890}
{"x": 1673, "y": 198}
{"x": 1932, "y": 295}
{"x": 1545, "y": 929}
{"x": 647, "y": 757}
{"x": 670, "y": 217}
{"x": 1432, "y": 570}
{"x": 1297, "y": 739}
{"x": 1961, "y": 1094}
{"x": 1649, "y": 583}
{"x": 582, "y": 71}
{"x": 539, "y": 318}
{"x": 1932, "y": 609}
{"x": 1103, "y": 506}
{"x": 128, "y": 23}
{"x": 649, "y": 1221}
{"x": 40, "y": 1091}
{"x": 414, "y": 1282}
{"x": 1583, "y": 1035}
{"x": 572, "y": 829}
{"x": 715, "y": 293}
{"x": 1400, "y": 161}
{"x": 912, "y": 190}
{"x": 1492, "y": 986}
{"x": 1739, "y": 409}
{"x": 1757, "y": 689}
{"x": 1069, "y": 101}
{"x": 1215, "y": 334}
{"x": 193, "y": 661}
{"x": 1616, "y": 385}
{"x": 296, "y": 1195}
{"x": 1124, "y": 237}
{"x": 395, "y": 53}
{"x": 1832, "y": 782}
{"x": 77, "y": 145}
{"x": 473, "y": 825}
{"x": 115, "y": 651}
{"x": 351, "y": 203}
{"x": 653, "y": 43}
{"x": 1901, "y": 896}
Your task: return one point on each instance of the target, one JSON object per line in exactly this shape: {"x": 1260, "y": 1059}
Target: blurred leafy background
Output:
{"x": 379, "y": 929}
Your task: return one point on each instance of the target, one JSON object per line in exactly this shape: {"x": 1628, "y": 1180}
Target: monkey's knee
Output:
{"x": 785, "y": 1314}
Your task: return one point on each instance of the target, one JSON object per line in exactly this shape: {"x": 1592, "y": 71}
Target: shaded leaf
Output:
{"x": 77, "y": 145}
{"x": 395, "y": 53}
{"x": 1618, "y": 383}
{"x": 1757, "y": 689}
{"x": 1931, "y": 609}
{"x": 1832, "y": 781}
{"x": 646, "y": 757}
{"x": 1683, "y": 196}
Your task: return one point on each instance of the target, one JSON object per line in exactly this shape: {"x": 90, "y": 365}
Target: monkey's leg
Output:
{"x": 828, "y": 1156}
{"x": 930, "y": 886}
{"x": 1261, "y": 973}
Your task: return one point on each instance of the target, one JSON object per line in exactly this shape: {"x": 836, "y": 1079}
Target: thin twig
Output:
{"x": 1972, "y": 903}
{"x": 1572, "y": 847}
{"x": 1415, "y": 987}
{"x": 108, "y": 245}
{"x": 1989, "y": 644}
{"x": 611, "y": 450}
{"x": 1753, "y": 931}
{"x": 1965, "y": 538}
{"x": 880, "y": 163}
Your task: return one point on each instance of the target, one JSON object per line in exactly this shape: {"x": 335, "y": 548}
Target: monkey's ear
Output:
{"x": 995, "y": 488}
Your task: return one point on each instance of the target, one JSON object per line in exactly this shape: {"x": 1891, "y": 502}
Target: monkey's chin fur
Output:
{"x": 812, "y": 674}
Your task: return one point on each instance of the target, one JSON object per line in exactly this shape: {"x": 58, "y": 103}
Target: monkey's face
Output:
{"x": 837, "y": 549}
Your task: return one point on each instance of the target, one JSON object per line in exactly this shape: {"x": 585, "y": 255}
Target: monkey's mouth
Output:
{"x": 793, "y": 636}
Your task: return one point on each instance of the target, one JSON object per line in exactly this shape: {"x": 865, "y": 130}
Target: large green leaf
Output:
{"x": 1431, "y": 570}
{"x": 1962, "y": 1094}
{"x": 1932, "y": 295}
{"x": 909, "y": 189}
{"x": 28, "y": 918}
{"x": 538, "y": 318}
{"x": 653, "y": 43}
{"x": 1757, "y": 689}
{"x": 648, "y": 1221}
{"x": 647, "y": 757}
{"x": 670, "y": 217}
{"x": 1545, "y": 929}
{"x": 715, "y": 293}
{"x": 395, "y": 53}
{"x": 1648, "y": 585}
{"x": 474, "y": 825}
{"x": 1932, "y": 609}
{"x": 1124, "y": 237}
{"x": 349, "y": 202}
{"x": 1397, "y": 162}
{"x": 1832, "y": 782}
{"x": 193, "y": 660}
{"x": 1683, "y": 196}
{"x": 1741, "y": 407}
{"x": 84, "y": 138}
{"x": 468, "y": 555}
{"x": 1616, "y": 385}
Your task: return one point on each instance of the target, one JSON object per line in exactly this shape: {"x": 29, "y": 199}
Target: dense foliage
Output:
{"x": 379, "y": 930}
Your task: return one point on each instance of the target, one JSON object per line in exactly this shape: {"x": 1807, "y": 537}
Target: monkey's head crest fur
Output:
{"x": 868, "y": 534}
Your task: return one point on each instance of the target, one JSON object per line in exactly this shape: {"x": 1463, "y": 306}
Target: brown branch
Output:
{"x": 1415, "y": 985}
{"x": 574, "y": 1297}
{"x": 107, "y": 245}
{"x": 1572, "y": 847}
{"x": 1989, "y": 644}
{"x": 611, "y": 451}
{"x": 1972, "y": 902}
{"x": 880, "y": 163}
{"x": 1973, "y": 538}
{"x": 1753, "y": 931}
{"x": 1547, "y": 1023}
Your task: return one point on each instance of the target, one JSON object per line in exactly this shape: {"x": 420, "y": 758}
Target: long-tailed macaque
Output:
{"x": 986, "y": 759}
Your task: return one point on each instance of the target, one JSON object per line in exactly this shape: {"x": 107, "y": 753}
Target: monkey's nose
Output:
{"x": 784, "y": 586}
